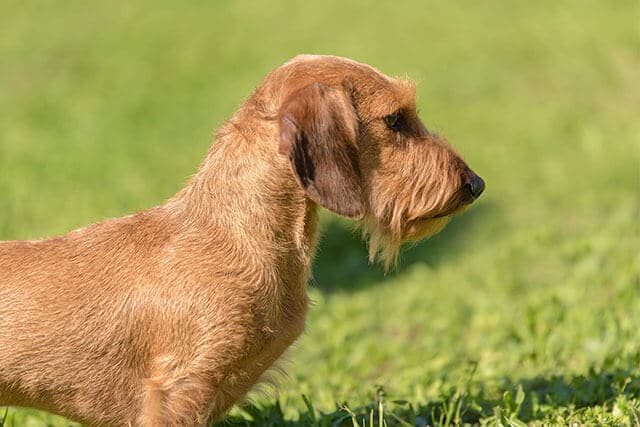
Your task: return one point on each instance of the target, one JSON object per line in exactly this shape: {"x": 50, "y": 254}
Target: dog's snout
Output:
{"x": 475, "y": 185}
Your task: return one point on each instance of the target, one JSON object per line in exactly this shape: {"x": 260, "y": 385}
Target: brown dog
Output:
{"x": 169, "y": 316}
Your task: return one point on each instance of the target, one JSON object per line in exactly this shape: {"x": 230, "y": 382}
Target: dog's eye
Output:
{"x": 393, "y": 121}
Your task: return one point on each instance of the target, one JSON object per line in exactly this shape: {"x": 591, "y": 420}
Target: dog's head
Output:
{"x": 358, "y": 148}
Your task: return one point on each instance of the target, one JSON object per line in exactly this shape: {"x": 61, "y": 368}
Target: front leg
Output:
{"x": 175, "y": 396}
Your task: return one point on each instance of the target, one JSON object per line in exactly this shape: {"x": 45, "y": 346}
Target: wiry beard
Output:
{"x": 412, "y": 203}
{"x": 384, "y": 244}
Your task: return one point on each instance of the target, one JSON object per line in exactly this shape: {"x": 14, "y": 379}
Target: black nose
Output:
{"x": 476, "y": 186}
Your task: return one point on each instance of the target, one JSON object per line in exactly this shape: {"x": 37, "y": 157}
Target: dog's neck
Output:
{"x": 246, "y": 189}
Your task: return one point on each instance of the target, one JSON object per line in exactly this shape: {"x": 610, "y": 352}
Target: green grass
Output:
{"x": 523, "y": 311}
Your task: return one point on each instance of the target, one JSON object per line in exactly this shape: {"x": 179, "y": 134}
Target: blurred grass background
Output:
{"x": 525, "y": 309}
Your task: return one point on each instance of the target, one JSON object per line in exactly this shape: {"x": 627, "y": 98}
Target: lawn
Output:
{"x": 525, "y": 310}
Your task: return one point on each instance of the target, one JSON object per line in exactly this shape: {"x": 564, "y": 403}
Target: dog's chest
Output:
{"x": 280, "y": 331}
{"x": 274, "y": 340}
{"x": 275, "y": 319}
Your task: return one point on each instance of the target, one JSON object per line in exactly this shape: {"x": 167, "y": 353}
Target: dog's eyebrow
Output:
{"x": 402, "y": 98}
{"x": 394, "y": 106}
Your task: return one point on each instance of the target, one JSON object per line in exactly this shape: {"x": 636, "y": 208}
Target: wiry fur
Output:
{"x": 170, "y": 316}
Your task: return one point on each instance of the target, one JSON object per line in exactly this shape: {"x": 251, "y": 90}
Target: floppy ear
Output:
{"x": 318, "y": 130}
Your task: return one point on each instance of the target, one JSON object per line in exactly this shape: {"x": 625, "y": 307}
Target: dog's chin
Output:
{"x": 427, "y": 227}
{"x": 423, "y": 228}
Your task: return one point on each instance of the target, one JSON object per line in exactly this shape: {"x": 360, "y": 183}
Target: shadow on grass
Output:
{"x": 528, "y": 400}
{"x": 342, "y": 261}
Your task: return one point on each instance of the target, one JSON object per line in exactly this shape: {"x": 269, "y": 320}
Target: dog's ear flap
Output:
{"x": 318, "y": 131}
